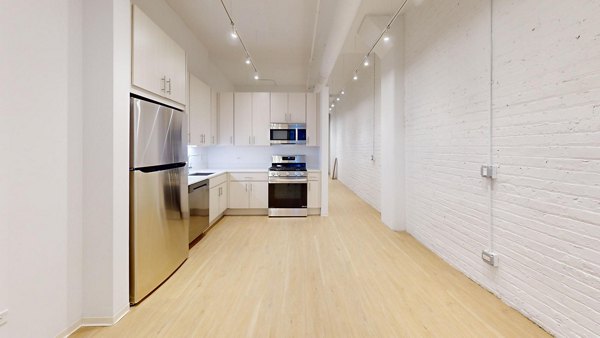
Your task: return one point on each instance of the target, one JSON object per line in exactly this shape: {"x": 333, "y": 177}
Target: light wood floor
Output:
{"x": 346, "y": 275}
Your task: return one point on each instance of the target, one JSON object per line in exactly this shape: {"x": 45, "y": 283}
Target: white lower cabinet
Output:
{"x": 248, "y": 191}
{"x": 314, "y": 190}
{"x": 218, "y": 197}
{"x": 259, "y": 195}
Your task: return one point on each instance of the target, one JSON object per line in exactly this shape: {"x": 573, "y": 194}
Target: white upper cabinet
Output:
{"x": 261, "y": 119}
{"x": 297, "y": 107}
{"x": 288, "y": 107}
{"x": 159, "y": 64}
{"x": 279, "y": 107}
{"x": 225, "y": 118}
{"x": 252, "y": 119}
{"x": 243, "y": 119}
{"x": 214, "y": 117}
{"x": 199, "y": 110}
{"x": 312, "y": 130}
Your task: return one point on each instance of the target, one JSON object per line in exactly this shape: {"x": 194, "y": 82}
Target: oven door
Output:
{"x": 287, "y": 197}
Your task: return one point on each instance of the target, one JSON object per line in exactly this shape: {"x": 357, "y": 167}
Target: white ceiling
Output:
{"x": 277, "y": 33}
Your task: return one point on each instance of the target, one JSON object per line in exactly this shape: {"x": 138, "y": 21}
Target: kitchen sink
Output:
{"x": 200, "y": 174}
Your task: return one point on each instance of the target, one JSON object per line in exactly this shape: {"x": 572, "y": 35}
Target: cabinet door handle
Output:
{"x": 250, "y": 187}
{"x": 169, "y": 82}
{"x": 249, "y": 139}
{"x": 253, "y": 139}
{"x": 164, "y": 84}
{"x": 308, "y": 186}
{"x": 230, "y": 139}
{"x": 307, "y": 139}
{"x": 213, "y": 139}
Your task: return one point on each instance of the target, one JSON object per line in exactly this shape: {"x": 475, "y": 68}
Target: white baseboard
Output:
{"x": 105, "y": 321}
{"x": 69, "y": 330}
{"x": 94, "y": 321}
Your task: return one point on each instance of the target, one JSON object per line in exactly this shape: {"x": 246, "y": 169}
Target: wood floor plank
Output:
{"x": 345, "y": 275}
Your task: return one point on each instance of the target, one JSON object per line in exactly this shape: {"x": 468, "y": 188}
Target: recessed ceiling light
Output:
{"x": 337, "y": 99}
{"x": 342, "y": 92}
{"x": 386, "y": 38}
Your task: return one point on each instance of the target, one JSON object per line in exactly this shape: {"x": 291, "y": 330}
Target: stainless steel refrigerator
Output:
{"x": 158, "y": 199}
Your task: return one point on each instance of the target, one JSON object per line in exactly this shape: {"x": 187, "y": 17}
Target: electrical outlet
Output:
{"x": 488, "y": 171}
{"x": 3, "y": 317}
{"x": 490, "y": 257}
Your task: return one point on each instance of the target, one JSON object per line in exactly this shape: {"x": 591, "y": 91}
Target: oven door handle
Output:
{"x": 288, "y": 180}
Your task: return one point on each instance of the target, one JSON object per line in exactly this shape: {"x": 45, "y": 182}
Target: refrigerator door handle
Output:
{"x": 161, "y": 167}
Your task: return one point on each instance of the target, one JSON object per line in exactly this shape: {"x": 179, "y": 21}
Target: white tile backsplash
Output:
{"x": 233, "y": 157}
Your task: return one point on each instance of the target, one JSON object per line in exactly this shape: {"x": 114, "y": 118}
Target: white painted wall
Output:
{"x": 356, "y": 135}
{"x": 40, "y": 144}
{"x": 106, "y": 55}
{"x": 64, "y": 236}
{"x": 393, "y": 190}
{"x": 323, "y": 111}
{"x": 546, "y": 127}
{"x": 106, "y": 64}
{"x": 546, "y": 120}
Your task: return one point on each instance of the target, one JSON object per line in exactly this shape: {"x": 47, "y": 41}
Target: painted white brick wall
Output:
{"x": 356, "y": 135}
{"x": 546, "y": 143}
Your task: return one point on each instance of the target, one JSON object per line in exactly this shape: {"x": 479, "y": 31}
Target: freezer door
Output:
{"x": 158, "y": 228}
{"x": 156, "y": 134}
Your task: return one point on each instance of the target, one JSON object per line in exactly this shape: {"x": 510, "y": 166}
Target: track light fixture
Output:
{"x": 383, "y": 36}
{"x": 342, "y": 92}
{"x": 235, "y": 35}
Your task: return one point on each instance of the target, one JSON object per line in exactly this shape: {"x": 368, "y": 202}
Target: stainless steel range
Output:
{"x": 288, "y": 182}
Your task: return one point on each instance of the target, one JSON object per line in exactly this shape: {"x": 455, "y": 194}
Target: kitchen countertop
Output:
{"x": 217, "y": 172}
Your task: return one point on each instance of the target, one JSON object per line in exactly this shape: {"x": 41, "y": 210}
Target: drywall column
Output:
{"x": 324, "y": 122}
{"x": 392, "y": 131}
{"x": 106, "y": 81}
{"x": 40, "y": 143}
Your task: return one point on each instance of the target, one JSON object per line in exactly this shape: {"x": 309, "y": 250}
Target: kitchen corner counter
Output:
{"x": 196, "y": 179}
{"x": 217, "y": 172}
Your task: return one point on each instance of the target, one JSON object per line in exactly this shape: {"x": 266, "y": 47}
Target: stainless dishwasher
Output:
{"x": 198, "y": 201}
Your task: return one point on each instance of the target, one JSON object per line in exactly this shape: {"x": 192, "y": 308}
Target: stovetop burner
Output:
{"x": 288, "y": 163}
{"x": 287, "y": 169}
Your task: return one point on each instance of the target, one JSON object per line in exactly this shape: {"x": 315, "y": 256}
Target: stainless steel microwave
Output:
{"x": 288, "y": 133}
